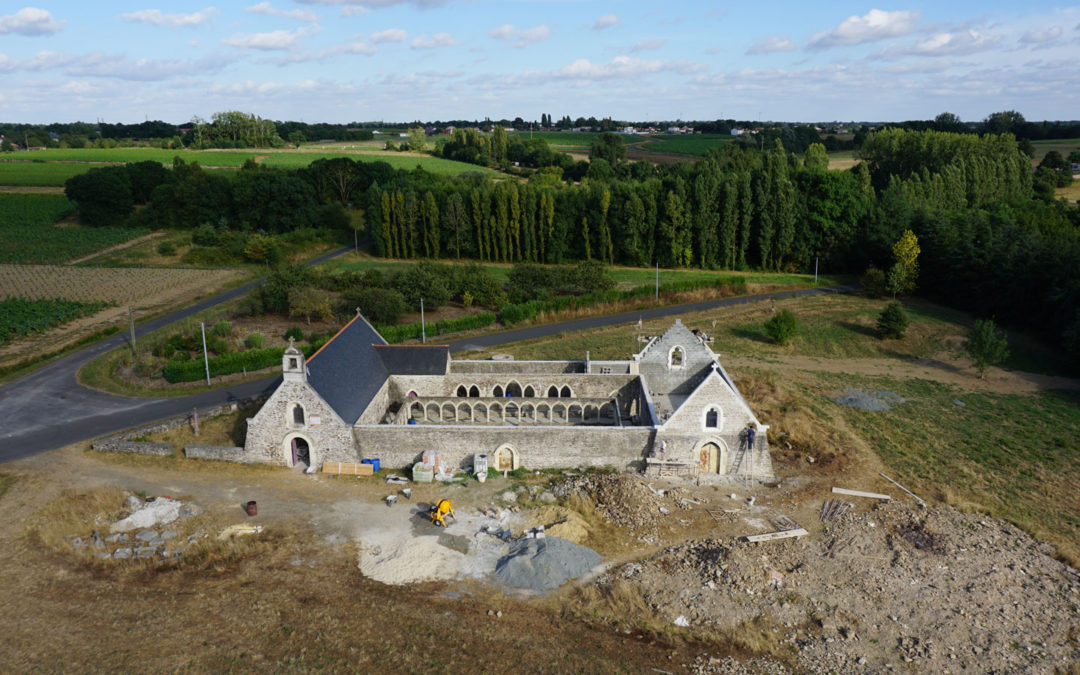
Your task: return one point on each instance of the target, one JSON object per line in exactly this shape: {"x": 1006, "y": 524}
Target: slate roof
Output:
{"x": 347, "y": 372}
{"x": 414, "y": 359}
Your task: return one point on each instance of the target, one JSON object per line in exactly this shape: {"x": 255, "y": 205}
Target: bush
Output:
{"x": 892, "y": 323}
{"x": 275, "y": 292}
{"x": 295, "y": 333}
{"x": 378, "y": 305}
{"x": 254, "y": 341}
{"x": 222, "y": 329}
{"x": 873, "y": 283}
{"x": 426, "y": 281}
{"x": 217, "y": 345}
{"x": 205, "y": 235}
{"x": 988, "y": 346}
{"x": 166, "y": 248}
{"x": 310, "y": 302}
{"x": 782, "y": 327}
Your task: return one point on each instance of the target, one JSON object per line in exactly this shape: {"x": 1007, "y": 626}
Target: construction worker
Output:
{"x": 750, "y": 432}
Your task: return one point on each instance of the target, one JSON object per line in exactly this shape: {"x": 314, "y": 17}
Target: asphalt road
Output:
{"x": 48, "y": 408}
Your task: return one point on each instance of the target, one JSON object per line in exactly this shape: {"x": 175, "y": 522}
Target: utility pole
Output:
{"x": 131, "y": 321}
{"x": 206, "y": 359}
{"x": 815, "y": 270}
{"x": 658, "y": 280}
{"x": 423, "y": 328}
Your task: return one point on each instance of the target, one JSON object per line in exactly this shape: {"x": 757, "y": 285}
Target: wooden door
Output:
{"x": 505, "y": 460}
{"x": 709, "y": 458}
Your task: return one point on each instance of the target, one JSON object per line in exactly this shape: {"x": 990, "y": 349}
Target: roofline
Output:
{"x": 319, "y": 350}
{"x": 424, "y": 346}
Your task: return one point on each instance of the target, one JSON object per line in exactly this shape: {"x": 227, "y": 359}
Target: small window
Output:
{"x": 461, "y": 391}
{"x": 513, "y": 389}
{"x": 474, "y": 391}
{"x": 529, "y": 393}
{"x": 712, "y": 419}
{"x": 605, "y": 370}
{"x": 497, "y": 392}
{"x": 566, "y": 392}
{"x": 293, "y": 364}
{"x": 553, "y": 392}
{"x": 298, "y": 414}
{"x": 676, "y": 357}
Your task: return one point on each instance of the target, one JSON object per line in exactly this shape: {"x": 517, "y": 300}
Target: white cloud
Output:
{"x": 436, "y": 40}
{"x": 361, "y": 48}
{"x": 297, "y": 14}
{"x": 30, "y": 21}
{"x": 620, "y": 66}
{"x": 141, "y": 70}
{"x": 158, "y": 18}
{"x": 771, "y": 44}
{"x": 522, "y": 37}
{"x": 874, "y": 25}
{"x": 389, "y": 35}
{"x": 1038, "y": 37}
{"x": 606, "y": 21}
{"x": 376, "y": 4}
{"x": 959, "y": 43}
{"x": 274, "y": 40}
{"x": 354, "y": 10}
{"x": 648, "y": 45}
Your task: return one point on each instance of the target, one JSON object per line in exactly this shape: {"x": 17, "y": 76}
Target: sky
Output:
{"x": 404, "y": 60}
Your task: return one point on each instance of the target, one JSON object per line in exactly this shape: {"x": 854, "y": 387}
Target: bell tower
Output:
{"x": 292, "y": 364}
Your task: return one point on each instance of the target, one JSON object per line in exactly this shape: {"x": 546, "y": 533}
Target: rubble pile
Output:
{"x": 934, "y": 590}
{"x": 625, "y": 500}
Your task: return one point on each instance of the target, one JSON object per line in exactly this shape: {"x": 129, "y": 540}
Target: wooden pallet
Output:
{"x": 348, "y": 469}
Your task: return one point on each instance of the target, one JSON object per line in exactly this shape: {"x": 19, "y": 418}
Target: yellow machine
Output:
{"x": 440, "y": 510}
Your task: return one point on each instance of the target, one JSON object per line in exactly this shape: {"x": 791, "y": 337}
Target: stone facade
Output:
{"x": 673, "y": 399}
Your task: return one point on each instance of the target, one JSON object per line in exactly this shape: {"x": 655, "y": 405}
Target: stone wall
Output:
{"x": 515, "y": 367}
{"x": 223, "y": 453}
{"x": 536, "y": 447}
{"x": 114, "y": 444}
{"x": 270, "y": 431}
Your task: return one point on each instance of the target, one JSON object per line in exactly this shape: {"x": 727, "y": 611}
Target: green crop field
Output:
{"x": 1062, "y": 145}
{"x": 28, "y": 236}
{"x": 563, "y": 139}
{"x": 684, "y": 144}
{"x": 295, "y": 160}
{"x": 124, "y": 155}
{"x": 20, "y": 317}
{"x": 33, "y": 210}
{"x": 34, "y": 173}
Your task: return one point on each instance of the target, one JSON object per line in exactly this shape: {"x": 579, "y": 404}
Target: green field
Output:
{"x": 295, "y": 160}
{"x": 27, "y": 234}
{"x": 123, "y": 155}
{"x": 19, "y": 317}
{"x": 34, "y": 173}
{"x": 683, "y": 144}
{"x": 1063, "y": 145}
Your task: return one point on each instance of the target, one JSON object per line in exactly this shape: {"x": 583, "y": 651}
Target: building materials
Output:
{"x": 783, "y": 534}
{"x": 348, "y": 468}
{"x": 913, "y": 495}
{"x": 833, "y": 508}
{"x": 783, "y": 523}
{"x": 860, "y": 493}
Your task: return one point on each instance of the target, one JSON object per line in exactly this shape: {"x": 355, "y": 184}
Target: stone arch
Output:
{"x": 461, "y": 391}
{"x": 474, "y": 392}
{"x": 566, "y": 392}
{"x": 493, "y": 411}
{"x": 572, "y": 416}
{"x": 512, "y": 412}
{"x": 480, "y": 410}
{"x": 528, "y": 413}
{"x": 513, "y": 389}
{"x": 553, "y": 392}
{"x": 676, "y": 357}
{"x": 587, "y": 409}
{"x": 497, "y": 392}
{"x": 464, "y": 412}
{"x": 431, "y": 412}
{"x": 712, "y": 418}
{"x": 558, "y": 411}
{"x": 529, "y": 392}
{"x": 543, "y": 413}
{"x": 712, "y": 455}
{"x": 448, "y": 413}
{"x": 506, "y": 458}
{"x": 303, "y": 443}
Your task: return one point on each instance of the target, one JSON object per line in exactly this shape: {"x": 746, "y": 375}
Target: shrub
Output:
{"x": 254, "y": 341}
{"x": 873, "y": 283}
{"x": 205, "y": 235}
{"x": 166, "y": 248}
{"x": 892, "y": 322}
{"x": 310, "y": 302}
{"x": 988, "y": 346}
{"x": 782, "y": 326}
{"x": 217, "y": 345}
{"x": 378, "y": 305}
{"x": 295, "y": 333}
{"x": 275, "y": 292}
{"x": 222, "y": 329}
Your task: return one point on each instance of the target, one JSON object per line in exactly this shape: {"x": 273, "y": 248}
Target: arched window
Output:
{"x": 513, "y": 389}
{"x": 298, "y": 414}
{"x": 676, "y": 357}
{"x": 529, "y": 392}
{"x": 712, "y": 419}
{"x": 474, "y": 391}
{"x": 461, "y": 391}
{"x": 497, "y": 392}
{"x": 566, "y": 393}
{"x": 553, "y": 392}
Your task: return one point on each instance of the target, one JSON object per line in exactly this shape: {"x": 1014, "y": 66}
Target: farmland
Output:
{"x": 33, "y": 210}
{"x": 683, "y": 144}
{"x": 28, "y": 236}
{"x": 39, "y": 173}
{"x": 20, "y": 317}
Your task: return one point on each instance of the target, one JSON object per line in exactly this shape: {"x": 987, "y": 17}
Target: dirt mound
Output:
{"x": 939, "y": 589}
{"x": 560, "y": 522}
{"x": 545, "y": 564}
{"x": 871, "y": 400}
{"x": 626, "y": 500}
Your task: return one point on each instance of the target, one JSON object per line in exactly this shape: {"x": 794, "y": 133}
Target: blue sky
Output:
{"x": 403, "y": 60}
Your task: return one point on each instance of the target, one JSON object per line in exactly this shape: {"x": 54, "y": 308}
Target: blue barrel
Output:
{"x": 373, "y": 462}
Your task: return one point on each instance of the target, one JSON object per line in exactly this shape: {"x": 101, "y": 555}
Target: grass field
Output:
{"x": 27, "y": 233}
{"x": 1062, "y": 145}
{"x": 33, "y": 210}
{"x": 36, "y": 173}
{"x": 683, "y": 144}
{"x": 1008, "y": 452}
{"x": 406, "y": 161}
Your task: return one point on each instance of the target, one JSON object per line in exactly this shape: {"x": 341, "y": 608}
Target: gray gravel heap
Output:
{"x": 545, "y": 564}
{"x": 874, "y": 401}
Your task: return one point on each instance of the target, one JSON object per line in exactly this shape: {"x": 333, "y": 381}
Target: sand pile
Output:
{"x": 559, "y": 522}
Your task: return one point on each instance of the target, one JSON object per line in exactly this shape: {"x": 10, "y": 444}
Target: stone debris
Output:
{"x": 545, "y": 564}
{"x": 625, "y": 500}
{"x": 146, "y": 535}
{"x": 148, "y": 514}
{"x": 871, "y": 400}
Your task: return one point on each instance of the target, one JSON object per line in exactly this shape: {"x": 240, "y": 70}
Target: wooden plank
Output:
{"x": 331, "y": 467}
{"x": 859, "y": 493}
{"x": 784, "y": 534}
{"x": 921, "y": 502}
{"x": 365, "y": 469}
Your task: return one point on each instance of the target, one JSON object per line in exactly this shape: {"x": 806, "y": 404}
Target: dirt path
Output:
{"x": 943, "y": 369}
{"x": 127, "y": 244}
{"x": 31, "y": 190}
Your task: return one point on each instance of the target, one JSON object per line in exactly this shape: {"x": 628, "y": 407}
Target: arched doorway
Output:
{"x": 712, "y": 457}
{"x": 506, "y": 458}
{"x": 298, "y": 451}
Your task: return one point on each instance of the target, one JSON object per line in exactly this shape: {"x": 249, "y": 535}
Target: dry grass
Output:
{"x": 227, "y": 429}
{"x": 75, "y": 513}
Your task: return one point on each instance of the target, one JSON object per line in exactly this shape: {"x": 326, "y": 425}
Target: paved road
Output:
{"x": 48, "y": 408}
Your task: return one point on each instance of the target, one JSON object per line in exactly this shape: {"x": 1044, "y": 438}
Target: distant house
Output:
{"x": 447, "y": 131}
{"x": 54, "y": 136}
{"x": 376, "y": 133}
{"x": 403, "y": 134}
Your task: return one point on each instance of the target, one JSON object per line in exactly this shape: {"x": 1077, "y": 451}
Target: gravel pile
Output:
{"x": 927, "y": 591}
{"x": 624, "y": 500}
{"x": 872, "y": 400}
{"x": 545, "y": 564}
